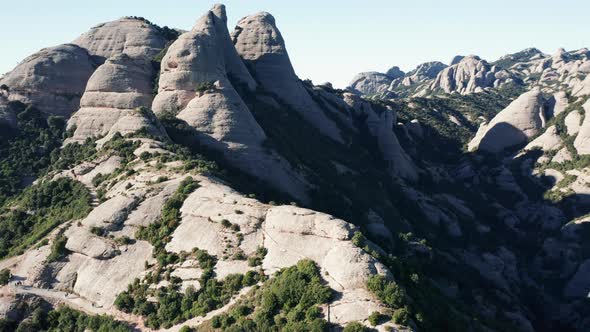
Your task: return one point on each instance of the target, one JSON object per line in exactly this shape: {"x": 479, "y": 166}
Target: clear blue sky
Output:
{"x": 327, "y": 40}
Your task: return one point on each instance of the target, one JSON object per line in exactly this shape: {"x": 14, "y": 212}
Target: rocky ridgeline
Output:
{"x": 222, "y": 87}
{"x": 471, "y": 74}
{"x": 209, "y": 80}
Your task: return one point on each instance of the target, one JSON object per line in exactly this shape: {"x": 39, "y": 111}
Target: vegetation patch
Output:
{"x": 166, "y": 306}
{"x": 159, "y": 232}
{"x": 287, "y": 302}
{"x": 26, "y": 152}
{"x": 63, "y": 319}
{"x": 38, "y": 210}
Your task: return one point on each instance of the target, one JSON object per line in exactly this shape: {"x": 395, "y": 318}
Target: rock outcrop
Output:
{"x": 572, "y": 122}
{"x": 395, "y": 72}
{"x": 7, "y": 114}
{"x": 135, "y": 37}
{"x": 512, "y": 126}
{"x": 421, "y": 74}
{"x": 380, "y": 126}
{"x": 52, "y": 80}
{"x": 261, "y": 45}
{"x": 113, "y": 96}
{"x": 469, "y": 75}
{"x": 195, "y": 85}
{"x": 557, "y": 103}
{"x": 582, "y": 141}
{"x": 370, "y": 83}
{"x": 548, "y": 141}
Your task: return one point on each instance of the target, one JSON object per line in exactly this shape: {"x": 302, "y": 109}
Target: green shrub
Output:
{"x": 4, "y": 276}
{"x": 387, "y": 291}
{"x": 258, "y": 257}
{"x": 375, "y": 318}
{"x": 356, "y": 327}
{"x": 401, "y": 316}
{"x": 287, "y": 302}
{"x": 58, "y": 248}
{"x": 98, "y": 231}
{"x": 38, "y": 210}
{"x": 358, "y": 239}
{"x": 159, "y": 232}
{"x": 173, "y": 307}
{"x": 205, "y": 86}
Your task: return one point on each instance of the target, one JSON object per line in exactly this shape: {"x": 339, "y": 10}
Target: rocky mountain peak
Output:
{"x": 134, "y": 36}
{"x": 456, "y": 59}
{"x": 395, "y": 72}
{"x": 260, "y": 44}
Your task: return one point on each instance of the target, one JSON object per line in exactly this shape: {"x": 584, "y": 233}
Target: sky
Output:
{"x": 328, "y": 41}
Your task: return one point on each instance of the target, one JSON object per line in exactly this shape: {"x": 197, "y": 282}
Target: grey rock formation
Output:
{"x": 456, "y": 59}
{"x": 370, "y": 83}
{"x": 469, "y": 75}
{"x": 512, "y": 126}
{"x": 380, "y": 125}
{"x": 548, "y": 141}
{"x": 394, "y": 72}
{"x": 427, "y": 70}
{"x": 582, "y": 141}
{"x": 573, "y": 121}
{"x": 222, "y": 121}
{"x": 7, "y": 114}
{"x": 115, "y": 91}
{"x": 557, "y": 104}
{"x": 133, "y": 36}
{"x": 52, "y": 80}
{"x": 261, "y": 45}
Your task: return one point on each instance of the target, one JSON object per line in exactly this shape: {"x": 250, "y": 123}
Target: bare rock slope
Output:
{"x": 205, "y": 57}
{"x": 261, "y": 45}
{"x": 112, "y": 98}
{"x": 51, "y": 80}
{"x": 512, "y": 126}
{"x": 133, "y": 36}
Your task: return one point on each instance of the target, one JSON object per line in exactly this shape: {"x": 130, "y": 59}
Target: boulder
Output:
{"x": 135, "y": 37}
{"x": 261, "y": 45}
{"x": 52, "y": 80}
{"x": 514, "y": 125}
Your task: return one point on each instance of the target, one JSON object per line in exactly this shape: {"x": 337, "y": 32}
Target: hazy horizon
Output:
{"x": 325, "y": 42}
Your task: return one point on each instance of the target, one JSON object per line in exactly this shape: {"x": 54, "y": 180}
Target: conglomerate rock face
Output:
{"x": 206, "y": 58}
{"x": 113, "y": 95}
{"x": 132, "y": 36}
{"x": 52, "y": 80}
{"x": 260, "y": 44}
{"x": 519, "y": 121}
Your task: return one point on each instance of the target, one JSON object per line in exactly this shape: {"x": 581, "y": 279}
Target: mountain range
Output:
{"x": 157, "y": 179}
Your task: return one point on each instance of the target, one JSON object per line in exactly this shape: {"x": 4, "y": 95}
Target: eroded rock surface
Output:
{"x": 260, "y": 44}
{"x": 52, "y": 80}
{"x": 512, "y": 126}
